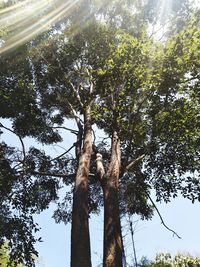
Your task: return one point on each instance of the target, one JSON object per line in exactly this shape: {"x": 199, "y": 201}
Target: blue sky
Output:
{"x": 150, "y": 238}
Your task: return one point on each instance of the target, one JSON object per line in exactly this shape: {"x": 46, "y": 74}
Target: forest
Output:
{"x": 72, "y": 69}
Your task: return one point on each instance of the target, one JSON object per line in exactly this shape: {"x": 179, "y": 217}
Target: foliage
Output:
{"x": 5, "y": 259}
{"x": 167, "y": 260}
{"x": 145, "y": 90}
{"x": 16, "y": 221}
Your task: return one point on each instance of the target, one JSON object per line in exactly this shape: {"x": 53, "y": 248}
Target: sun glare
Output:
{"x": 163, "y": 11}
{"x": 25, "y": 20}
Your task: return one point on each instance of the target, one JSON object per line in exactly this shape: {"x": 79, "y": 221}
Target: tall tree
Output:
{"x": 109, "y": 73}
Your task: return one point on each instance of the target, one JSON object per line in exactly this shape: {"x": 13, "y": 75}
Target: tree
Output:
{"x": 167, "y": 260}
{"x": 16, "y": 220}
{"x": 137, "y": 90}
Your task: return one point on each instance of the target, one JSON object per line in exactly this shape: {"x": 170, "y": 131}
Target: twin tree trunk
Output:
{"x": 80, "y": 239}
{"x": 113, "y": 244}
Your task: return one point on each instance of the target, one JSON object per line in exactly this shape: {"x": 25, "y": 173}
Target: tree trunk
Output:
{"x": 80, "y": 239}
{"x": 113, "y": 244}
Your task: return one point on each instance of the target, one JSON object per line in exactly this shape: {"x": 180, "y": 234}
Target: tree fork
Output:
{"x": 80, "y": 239}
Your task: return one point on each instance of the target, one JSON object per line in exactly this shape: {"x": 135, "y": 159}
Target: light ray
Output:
{"x": 28, "y": 20}
{"x": 21, "y": 13}
{"x": 13, "y": 7}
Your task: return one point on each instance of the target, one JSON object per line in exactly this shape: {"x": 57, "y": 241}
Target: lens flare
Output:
{"x": 25, "y": 20}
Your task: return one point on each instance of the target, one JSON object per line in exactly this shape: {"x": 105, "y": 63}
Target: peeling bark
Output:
{"x": 80, "y": 239}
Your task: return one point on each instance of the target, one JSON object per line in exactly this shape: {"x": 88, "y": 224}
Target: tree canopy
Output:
{"x": 107, "y": 71}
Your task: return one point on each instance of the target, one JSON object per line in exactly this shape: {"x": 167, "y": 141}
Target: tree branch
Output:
{"x": 91, "y": 87}
{"x": 100, "y": 167}
{"x": 76, "y": 91}
{"x": 162, "y": 221}
{"x": 20, "y": 139}
{"x": 64, "y": 152}
{"x": 69, "y": 104}
{"x": 65, "y": 128}
{"x": 190, "y": 79}
{"x": 61, "y": 175}
{"x": 135, "y": 161}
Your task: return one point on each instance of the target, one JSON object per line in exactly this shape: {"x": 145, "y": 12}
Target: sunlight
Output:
{"x": 27, "y": 19}
{"x": 163, "y": 11}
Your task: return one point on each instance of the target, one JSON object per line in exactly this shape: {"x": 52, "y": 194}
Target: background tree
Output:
{"x": 5, "y": 259}
{"x": 167, "y": 260}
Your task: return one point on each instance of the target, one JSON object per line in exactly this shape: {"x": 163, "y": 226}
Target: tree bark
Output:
{"x": 80, "y": 239}
{"x": 113, "y": 244}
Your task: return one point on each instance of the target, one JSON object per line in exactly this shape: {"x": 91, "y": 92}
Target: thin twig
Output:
{"x": 162, "y": 221}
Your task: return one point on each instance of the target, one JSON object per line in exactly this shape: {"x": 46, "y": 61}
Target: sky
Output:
{"x": 151, "y": 237}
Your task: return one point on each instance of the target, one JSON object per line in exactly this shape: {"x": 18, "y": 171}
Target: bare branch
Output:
{"x": 135, "y": 161}
{"x": 76, "y": 91}
{"x": 76, "y": 117}
{"x": 61, "y": 175}
{"x": 64, "y": 152}
{"x": 162, "y": 221}
{"x": 65, "y": 128}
